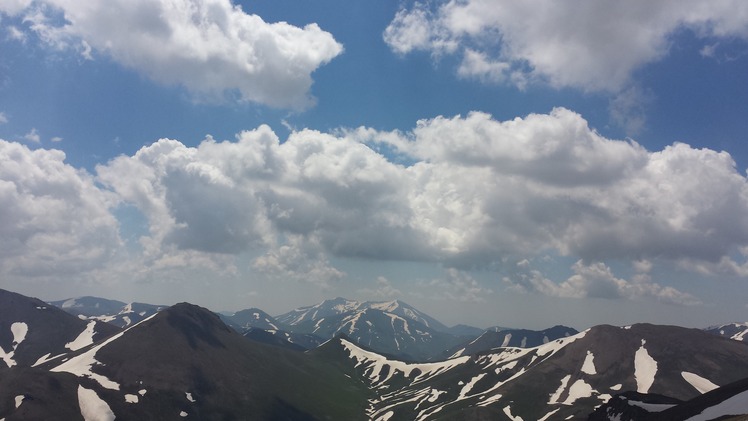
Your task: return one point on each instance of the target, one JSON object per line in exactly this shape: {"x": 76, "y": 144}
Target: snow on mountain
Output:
{"x": 519, "y": 338}
{"x": 568, "y": 377}
{"x": 109, "y": 311}
{"x": 735, "y": 331}
{"x": 390, "y": 327}
{"x": 33, "y": 331}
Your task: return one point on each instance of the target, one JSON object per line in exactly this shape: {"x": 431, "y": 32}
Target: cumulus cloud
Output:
{"x": 32, "y": 136}
{"x": 477, "y": 193}
{"x": 383, "y": 290}
{"x": 456, "y": 286}
{"x": 55, "y": 221}
{"x": 211, "y": 47}
{"x": 596, "y": 280}
{"x": 592, "y": 46}
{"x": 299, "y": 260}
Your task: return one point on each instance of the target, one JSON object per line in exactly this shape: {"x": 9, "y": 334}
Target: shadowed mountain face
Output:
{"x": 31, "y": 329}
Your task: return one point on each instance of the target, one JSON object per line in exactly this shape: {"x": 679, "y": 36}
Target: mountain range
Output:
{"x": 185, "y": 361}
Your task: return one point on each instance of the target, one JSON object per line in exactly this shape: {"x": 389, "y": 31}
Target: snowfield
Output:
{"x": 699, "y": 383}
{"x": 84, "y": 339}
{"x": 93, "y": 408}
{"x": 645, "y": 368}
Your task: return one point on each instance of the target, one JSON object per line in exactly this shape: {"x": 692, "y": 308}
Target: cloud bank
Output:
{"x": 593, "y": 46}
{"x": 214, "y": 49}
{"x": 478, "y": 193}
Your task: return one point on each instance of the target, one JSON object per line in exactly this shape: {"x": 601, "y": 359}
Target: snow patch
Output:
{"x": 84, "y": 339}
{"x": 699, "y": 383}
{"x": 466, "y": 389}
{"x": 651, "y": 407}
{"x": 131, "y": 398}
{"x": 507, "y": 338}
{"x": 93, "y": 408}
{"x": 182, "y": 414}
{"x": 189, "y": 397}
{"x": 508, "y": 412}
{"x": 588, "y": 366}
{"x": 19, "y": 330}
{"x": 616, "y": 387}
{"x": 386, "y": 416}
{"x": 142, "y": 392}
{"x": 557, "y": 394}
{"x": 19, "y": 400}
{"x": 645, "y": 368}
{"x": 580, "y": 389}
{"x": 546, "y": 416}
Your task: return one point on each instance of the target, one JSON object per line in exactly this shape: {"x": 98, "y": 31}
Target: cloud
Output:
{"x": 32, "y": 136}
{"x": 56, "y": 221}
{"x": 3, "y": 118}
{"x": 596, "y": 280}
{"x": 383, "y": 290}
{"x": 14, "y": 7}
{"x": 211, "y": 47}
{"x": 299, "y": 260}
{"x": 478, "y": 193}
{"x": 56, "y": 139}
{"x": 456, "y": 286}
{"x": 591, "y": 46}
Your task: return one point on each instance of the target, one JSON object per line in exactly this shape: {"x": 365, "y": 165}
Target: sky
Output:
{"x": 490, "y": 162}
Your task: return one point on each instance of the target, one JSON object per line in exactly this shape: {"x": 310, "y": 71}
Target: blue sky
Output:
{"x": 491, "y": 163}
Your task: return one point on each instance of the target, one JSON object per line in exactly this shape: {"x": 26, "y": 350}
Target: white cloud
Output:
{"x": 383, "y": 290}
{"x": 32, "y": 136}
{"x": 593, "y": 46}
{"x": 56, "y": 139}
{"x": 55, "y": 220}
{"x": 542, "y": 184}
{"x": 13, "y": 7}
{"x": 3, "y": 118}
{"x": 300, "y": 261}
{"x": 211, "y": 47}
{"x": 456, "y": 286}
{"x": 596, "y": 280}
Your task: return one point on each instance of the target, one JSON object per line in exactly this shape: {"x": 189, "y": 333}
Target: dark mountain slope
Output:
{"x": 184, "y": 359}
{"x": 31, "y": 329}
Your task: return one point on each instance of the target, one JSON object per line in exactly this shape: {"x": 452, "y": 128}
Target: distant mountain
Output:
{"x": 735, "y": 331}
{"x": 565, "y": 378}
{"x": 109, "y": 311}
{"x": 391, "y": 327}
{"x": 465, "y": 331}
{"x": 517, "y": 338}
{"x": 308, "y": 316}
{"x": 250, "y": 318}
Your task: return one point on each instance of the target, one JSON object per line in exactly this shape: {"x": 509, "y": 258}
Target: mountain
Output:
{"x": 465, "y": 331}
{"x": 250, "y": 318}
{"x": 568, "y": 377}
{"x": 185, "y": 362}
{"x": 32, "y": 331}
{"x": 729, "y": 402}
{"x": 109, "y": 311}
{"x": 309, "y": 316}
{"x": 736, "y": 331}
{"x": 517, "y": 338}
{"x": 390, "y": 327}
